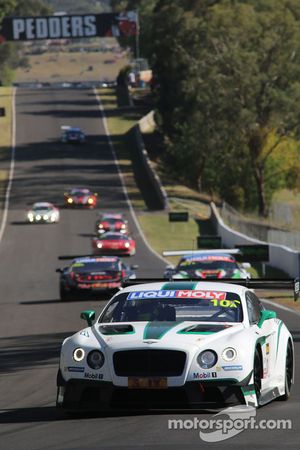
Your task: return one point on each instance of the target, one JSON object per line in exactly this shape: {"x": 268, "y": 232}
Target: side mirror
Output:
{"x": 266, "y": 314}
{"x": 59, "y": 270}
{"x": 134, "y": 267}
{"x": 170, "y": 267}
{"x": 89, "y": 316}
{"x": 246, "y": 265}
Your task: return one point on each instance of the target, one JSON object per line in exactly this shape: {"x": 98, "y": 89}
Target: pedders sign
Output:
{"x": 69, "y": 26}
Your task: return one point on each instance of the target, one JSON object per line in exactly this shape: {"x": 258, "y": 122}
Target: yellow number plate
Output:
{"x": 147, "y": 383}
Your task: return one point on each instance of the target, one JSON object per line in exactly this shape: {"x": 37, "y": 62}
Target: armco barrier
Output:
{"x": 150, "y": 180}
{"x": 281, "y": 257}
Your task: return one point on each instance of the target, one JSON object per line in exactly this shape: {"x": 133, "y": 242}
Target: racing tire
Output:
{"x": 64, "y": 295}
{"x": 257, "y": 374}
{"x": 289, "y": 367}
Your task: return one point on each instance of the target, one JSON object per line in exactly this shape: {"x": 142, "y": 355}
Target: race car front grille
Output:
{"x": 149, "y": 363}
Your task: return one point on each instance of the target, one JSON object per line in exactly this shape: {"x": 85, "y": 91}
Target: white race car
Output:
{"x": 43, "y": 212}
{"x": 178, "y": 344}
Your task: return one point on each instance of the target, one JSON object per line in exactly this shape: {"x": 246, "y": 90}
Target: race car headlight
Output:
{"x": 78, "y": 354}
{"x": 127, "y": 245}
{"x": 90, "y": 201}
{"x": 45, "y": 217}
{"x": 207, "y": 359}
{"x": 229, "y": 354}
{"x": 70, "y": 200}
{"x": 99, "y": 244}
{"x": 38, "y": 217}
{"x": 53, "y": 217}
{"x": 30, "y": 216}
{"x": 95, "y": 359}
{"x": 100, "y": 225}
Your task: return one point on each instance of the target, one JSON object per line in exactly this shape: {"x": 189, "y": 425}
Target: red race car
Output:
{"x": 113, "y": 244}
{"x": 80, "y": 197}
{"x": 111, "y": 222}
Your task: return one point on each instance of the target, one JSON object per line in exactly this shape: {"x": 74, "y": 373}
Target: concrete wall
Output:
{"x": 146, "y": 171}
{"x": 281, "y": 257}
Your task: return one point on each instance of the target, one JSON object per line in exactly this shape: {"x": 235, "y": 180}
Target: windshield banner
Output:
{"x": 140, "y": 295}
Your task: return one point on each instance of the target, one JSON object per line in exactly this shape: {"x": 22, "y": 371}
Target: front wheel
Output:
{"x": 257, "y": 370}
{"x": 289, "y": 368}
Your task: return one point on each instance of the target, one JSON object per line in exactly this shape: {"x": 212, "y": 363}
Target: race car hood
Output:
{"x": 165, "y": 334}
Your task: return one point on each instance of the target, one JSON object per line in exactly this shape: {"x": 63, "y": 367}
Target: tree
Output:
{"x": 9, "y": 57}
{"x": 232, "y": 70}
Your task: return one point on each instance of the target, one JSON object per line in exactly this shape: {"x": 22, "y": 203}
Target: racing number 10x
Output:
{"x": 225, "y": 303}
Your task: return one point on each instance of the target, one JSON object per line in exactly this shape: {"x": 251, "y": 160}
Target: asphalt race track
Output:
{"x": 33, "y": 321}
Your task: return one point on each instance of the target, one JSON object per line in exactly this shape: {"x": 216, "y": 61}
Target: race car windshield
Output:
{"x": 76, "y": 192}
{"x": 94, "y": 266}
{"x": 175, "y": 306}
{"x": 41, "y": 208}
{"x": 116, "y": 237}
{"x": 112, "y": 221}
{"x": 207, "y": 264}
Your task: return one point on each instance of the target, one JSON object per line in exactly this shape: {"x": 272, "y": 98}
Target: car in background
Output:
{"x": 207, "y": 265}
{"x": 111, "y": 222}
{"x": 72, "y": 135}
{"x": 89, "y": 276}
{"x": 111, "y": 243}
{"x": 80, "y": 197}
{"x": 43, "y": 212}
{"x": 178, "y": 345}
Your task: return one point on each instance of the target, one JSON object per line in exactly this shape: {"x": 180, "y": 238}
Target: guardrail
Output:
{"x": 280, "y": 256}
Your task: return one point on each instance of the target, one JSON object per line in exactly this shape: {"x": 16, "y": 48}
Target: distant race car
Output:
{"x": 111, "y": 222}
{"x": 87, "y": 276}
{"x": 72, "y": 134}
{"x": 43, "y": 212}
{"x": 207, "y": 264}
{"x": 111, "y": 243}
{"x": 80, "y": 197}
{"x": 178, "y": 345}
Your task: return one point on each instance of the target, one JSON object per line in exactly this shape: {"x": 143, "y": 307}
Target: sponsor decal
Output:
{"x": 234, "y": 367}
{"x": 83, "y": 286}
{"x": 70, "y": 26}
{"x": 75, "y": 369}
{"x": 266, "y": 368}
{"x": 140, "y": 295}
{"x": 208, "y": 258}
{"x": 84, "y": 333}
{"x": 267, "y": 348}
{"x": 93, "y": 376}
{"x": 203, "y": 375}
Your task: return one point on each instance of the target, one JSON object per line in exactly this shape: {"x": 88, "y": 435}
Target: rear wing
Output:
{"x": 243, "y": 253}
{"x": 64, "y": 257}
{"x": 251, "y": 283}
{"x": 231, "y": 251}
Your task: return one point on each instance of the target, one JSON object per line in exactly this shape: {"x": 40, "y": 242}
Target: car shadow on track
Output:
{"x": 52, "y": 414}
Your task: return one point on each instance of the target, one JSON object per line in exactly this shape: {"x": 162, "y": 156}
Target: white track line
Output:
{"x": 132, "y": 212}
{"x": 284, "y": 308}
{"x": 12, "y": 165}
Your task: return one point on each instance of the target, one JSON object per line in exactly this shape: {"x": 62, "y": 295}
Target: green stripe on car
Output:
{"x": 156, "y": 330}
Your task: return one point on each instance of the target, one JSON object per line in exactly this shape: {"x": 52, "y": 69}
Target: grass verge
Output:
{"x": 5, "y": 138}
